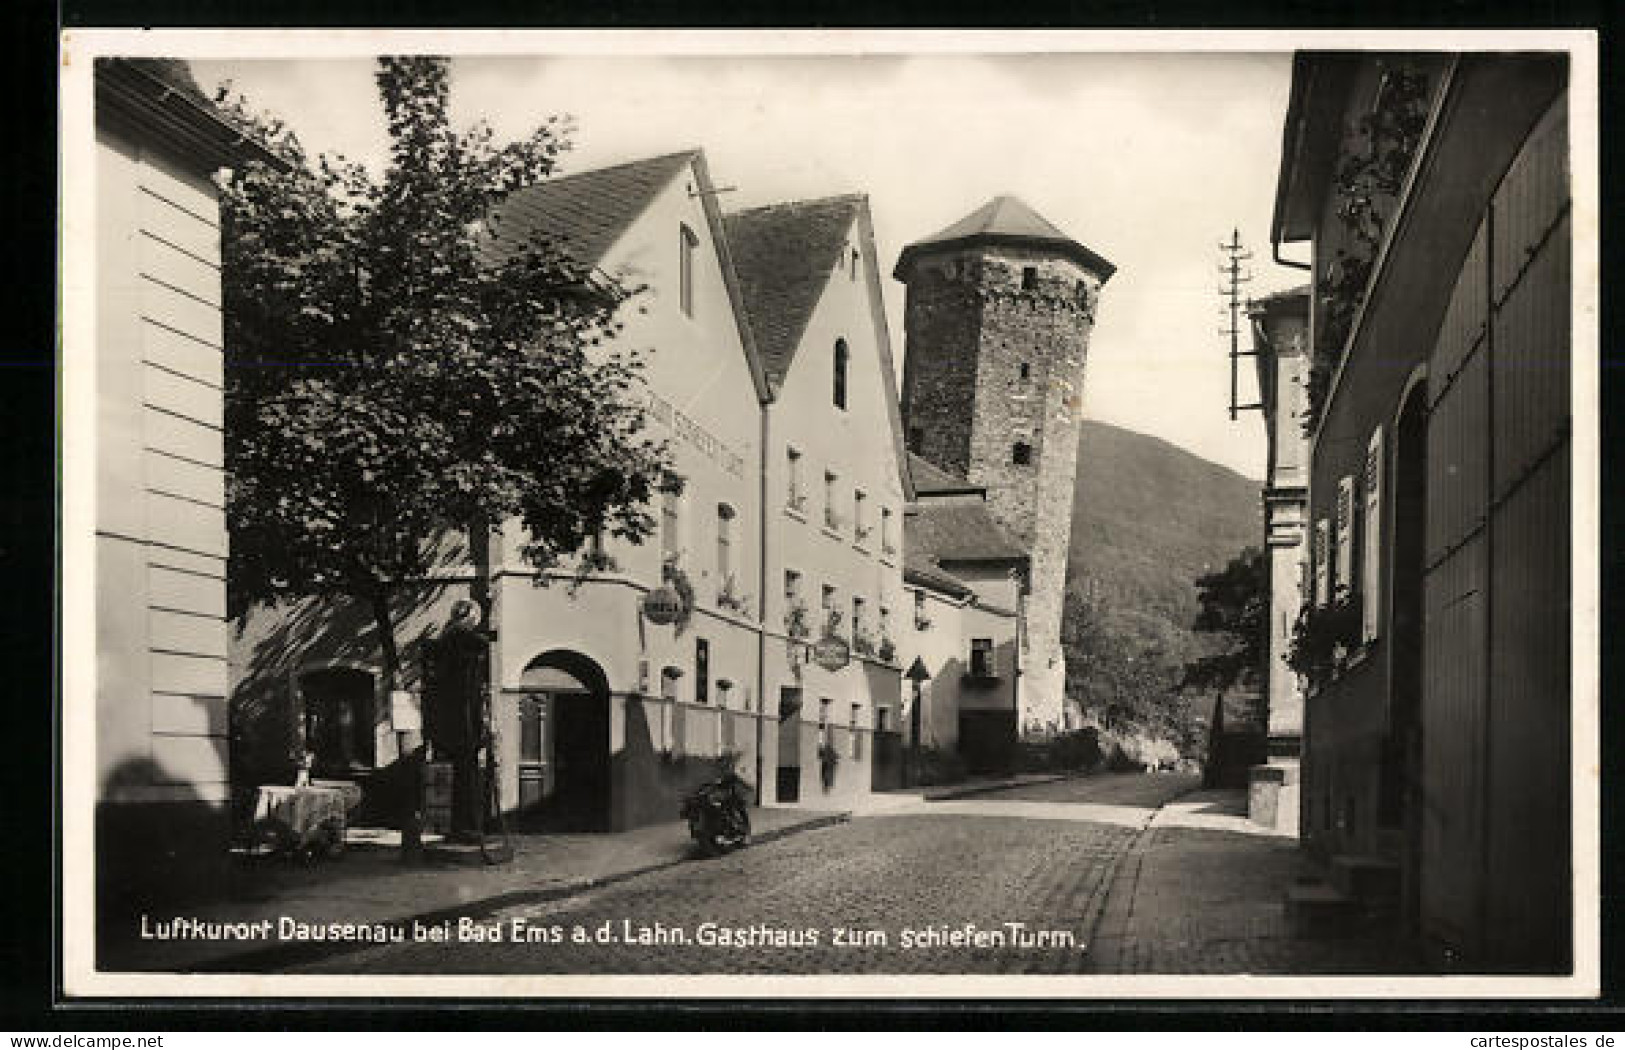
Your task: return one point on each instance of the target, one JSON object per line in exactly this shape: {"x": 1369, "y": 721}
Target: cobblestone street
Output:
{"x": 886, "y": 893}
{"x": 1102, "y": 875}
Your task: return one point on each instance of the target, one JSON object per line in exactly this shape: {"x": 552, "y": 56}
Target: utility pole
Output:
{"x": 1233, "y": 275}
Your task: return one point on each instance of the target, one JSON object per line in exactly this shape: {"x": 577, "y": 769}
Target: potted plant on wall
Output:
{"x": 1323, "y": 639}
{"x": 828, "y": 760}
{"x": 797, "y": 624}
{"x": 671, "y": 573}
{"x": 729, "y": 596}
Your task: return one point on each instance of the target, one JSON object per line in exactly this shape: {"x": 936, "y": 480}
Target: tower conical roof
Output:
{"x": 1004, "y": 220}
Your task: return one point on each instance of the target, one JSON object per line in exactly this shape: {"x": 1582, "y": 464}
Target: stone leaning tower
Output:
{"x": 999, "y": 310}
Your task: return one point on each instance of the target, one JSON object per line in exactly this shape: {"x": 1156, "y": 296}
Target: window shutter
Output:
{"x": 1344, "y": 583}
{"x": 1371, "y": 557}
{"x": 1318, "y": 554}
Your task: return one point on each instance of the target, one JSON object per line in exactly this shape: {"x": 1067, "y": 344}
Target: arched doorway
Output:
{"x": 564, "y": 742}
{"x": 1401, "y": 787}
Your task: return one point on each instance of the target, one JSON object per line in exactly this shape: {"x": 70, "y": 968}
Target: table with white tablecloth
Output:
{"x": 306, "y": 816}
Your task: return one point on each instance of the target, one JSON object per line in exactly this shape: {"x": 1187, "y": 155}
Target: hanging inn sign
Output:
{"x": 832, "y": 652}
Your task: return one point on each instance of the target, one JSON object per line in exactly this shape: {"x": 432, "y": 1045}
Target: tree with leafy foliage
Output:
{"x": 1123, "y": 668}
{"x": 1235, "y": 608}
{"x": 398, "y": 372}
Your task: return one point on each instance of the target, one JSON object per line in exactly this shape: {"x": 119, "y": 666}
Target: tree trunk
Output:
{"x": 409, "y": 817}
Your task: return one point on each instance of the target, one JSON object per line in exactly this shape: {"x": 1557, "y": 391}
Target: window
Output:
{"x": 1025, "y": 371}
{"x": 1371, "y": 556}
{"x": 886, "y": 544}
{"x": 1021, "y": 453}
{"x": 981, "y": 657}
{"x": 831, "y": 517}
{"x": 831, "y": 614}
{"x": 670, "y": 525}
{"x": 860, "y": 516}
{"x": 795, "y": 613}
{"x": 687, "y": 250}
{"x": 702, "y": 671}
{"x": 859, "y": 622}
{"x": 1343, "y": 566}
{"x": 852, "y": 731}
{"x": 885, "y": 623}
{"x": 725, "y": 563}
{"x": 841, "y": 356}
{"x": 824, "y": 706}
{"x": 795, "y": 497}
{"x": 1029, "y": 278}
{"x": 922, "y": 622}
{"x": 916, "y": 439}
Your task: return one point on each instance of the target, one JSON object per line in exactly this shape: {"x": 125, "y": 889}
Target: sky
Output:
{"x": 1149, "y": 159}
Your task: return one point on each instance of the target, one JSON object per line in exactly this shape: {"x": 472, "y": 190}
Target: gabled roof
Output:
{"x": 585, "y": 213}
{"x": 171, "y": 72}
{"x": 1287, "y": 296}
{"x": 784, "y": 254}
{"x": 1310, "y": 138}
{"x": 932, "y": 479}
{"x": 160, "y": 99}
{"x": 921, "y": 570}
{"x": 942, "y": 532}
{"x": 1004, "y": 220}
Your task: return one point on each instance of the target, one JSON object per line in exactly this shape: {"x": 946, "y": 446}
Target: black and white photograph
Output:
{"x": 812, "y": 513}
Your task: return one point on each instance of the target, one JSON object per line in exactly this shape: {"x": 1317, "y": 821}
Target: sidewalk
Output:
{"x": 370, "y": 884}
{"x": 984, "y": 785}
{"x": 1203, "y": 891}
{"x": 911, "y": 799}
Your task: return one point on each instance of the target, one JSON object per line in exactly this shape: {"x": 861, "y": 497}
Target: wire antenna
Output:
{"x": 1234, "y": 275}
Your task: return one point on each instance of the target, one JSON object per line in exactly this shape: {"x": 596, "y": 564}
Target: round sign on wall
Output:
{"x": 832, "y": 653}
{"x": 662, "y": 605}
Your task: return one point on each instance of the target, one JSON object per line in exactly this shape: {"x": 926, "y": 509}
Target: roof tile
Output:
{"x": 584, "y": 213}
{"x": 928, "y": 477}
{"x": 1004, "y": 220}
{"x": 784, "y": 254}
{"x": 958, "y": 531}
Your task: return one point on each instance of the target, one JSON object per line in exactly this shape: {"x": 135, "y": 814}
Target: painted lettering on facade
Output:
{"x": 679, "y": 423}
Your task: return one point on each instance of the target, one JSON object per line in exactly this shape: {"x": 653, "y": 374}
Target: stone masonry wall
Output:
{"x": 996, "y": 358}
{"x": 1046, "y": 326}
{"x": 942, "y": 318}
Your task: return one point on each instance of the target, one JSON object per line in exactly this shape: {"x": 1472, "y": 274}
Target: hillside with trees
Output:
{"x": 1148, "y": 521}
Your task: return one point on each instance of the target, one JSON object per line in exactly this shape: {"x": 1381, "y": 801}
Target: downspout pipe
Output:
{"x": 761, "y": 600}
